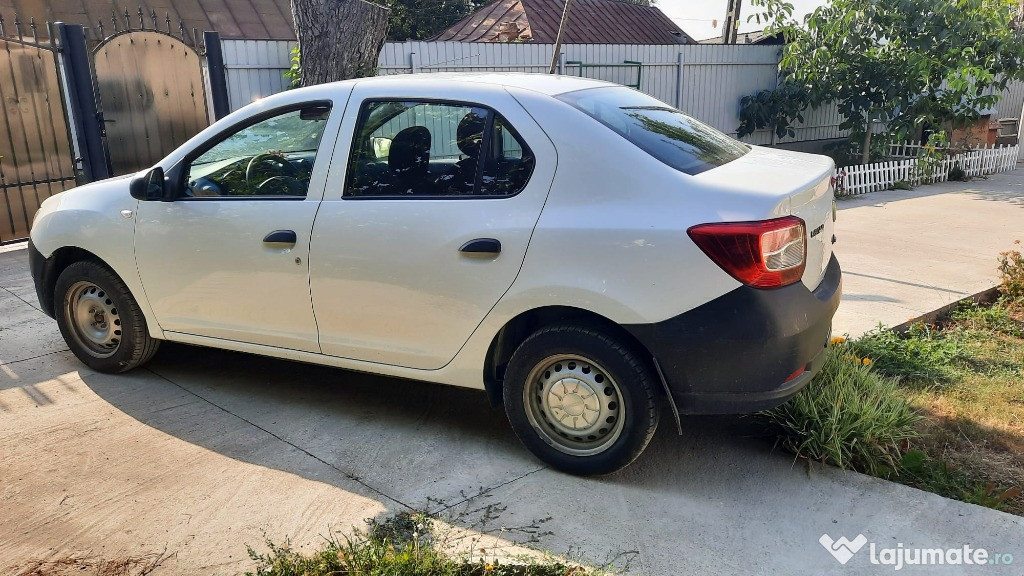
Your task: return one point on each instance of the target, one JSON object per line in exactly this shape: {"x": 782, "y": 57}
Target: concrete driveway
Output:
{"x": 203, "y": 452}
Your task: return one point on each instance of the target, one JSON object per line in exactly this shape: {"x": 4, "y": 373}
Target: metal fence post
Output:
{"x": 561, "y": 62}
{"x": 414, "y": 63}
{"x": 679, "y": 81}
{"x": 218, "y": 79}
{"x": 88, "y": 129}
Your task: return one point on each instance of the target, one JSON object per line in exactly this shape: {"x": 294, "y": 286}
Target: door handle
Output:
{"x": 481, "y": 246}
{"x": 280, "y": 237}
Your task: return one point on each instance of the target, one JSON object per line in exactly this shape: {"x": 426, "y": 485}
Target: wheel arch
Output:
{"x": 520, "y": 327}
{"x": 53, "y": 266}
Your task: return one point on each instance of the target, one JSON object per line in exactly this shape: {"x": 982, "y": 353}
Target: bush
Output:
{"x": 1011, "y": 269}
{"x": 922, "y": 354}
{"x": 848, "y": 415}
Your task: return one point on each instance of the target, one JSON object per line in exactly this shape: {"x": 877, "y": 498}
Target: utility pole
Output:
{"x": 558, "y": 39}
{"x": 730, "y": 28}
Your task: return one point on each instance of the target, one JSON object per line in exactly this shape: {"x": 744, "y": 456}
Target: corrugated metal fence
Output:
{"x": 255, "y": 68}
{"x": 706, "y": 81}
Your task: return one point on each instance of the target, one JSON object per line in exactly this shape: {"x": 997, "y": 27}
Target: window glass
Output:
{"x": 662, "y": 131}
{"x": 431, "y": 149}
{"x": 273, "y": 157}
{"x": 509, "y": 166}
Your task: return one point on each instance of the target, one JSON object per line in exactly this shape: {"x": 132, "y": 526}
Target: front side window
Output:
{"x": 667, "y": 134}
{"x": 406, "y": 149}
{"x": 271, "y": 158}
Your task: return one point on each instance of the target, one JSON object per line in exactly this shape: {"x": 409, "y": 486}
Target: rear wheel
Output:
{"x": 100, "y": 320}
{"x": 580, "y": 400}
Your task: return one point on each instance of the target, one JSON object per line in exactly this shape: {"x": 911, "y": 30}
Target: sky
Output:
{"x": 695, "y": 16}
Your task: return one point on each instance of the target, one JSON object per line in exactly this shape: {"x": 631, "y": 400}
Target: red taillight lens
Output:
{"x": 766, "y": 254}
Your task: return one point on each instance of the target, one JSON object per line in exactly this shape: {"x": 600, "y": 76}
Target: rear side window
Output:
{"x": 414, "y": 149}
{"x": 667, "y": 134}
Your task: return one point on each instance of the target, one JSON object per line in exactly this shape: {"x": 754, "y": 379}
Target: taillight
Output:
{"x": 766, "y": 254}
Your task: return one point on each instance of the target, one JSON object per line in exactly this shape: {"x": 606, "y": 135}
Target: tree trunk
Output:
{"x": 866, "y": 152}
{"x": 338, "y": 39}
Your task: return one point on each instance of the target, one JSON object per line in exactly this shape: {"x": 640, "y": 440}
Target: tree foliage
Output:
{"x": 905, "y": 62}
{"x": 421, "y": 19}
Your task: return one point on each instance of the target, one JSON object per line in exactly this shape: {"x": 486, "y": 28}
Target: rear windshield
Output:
{"x": 662, "y": 131}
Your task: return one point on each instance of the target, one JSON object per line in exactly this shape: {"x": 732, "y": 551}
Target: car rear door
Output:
{"x": 406, "y": 260}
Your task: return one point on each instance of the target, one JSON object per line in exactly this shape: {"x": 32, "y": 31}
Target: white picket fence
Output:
{"x": 851, "y": 180}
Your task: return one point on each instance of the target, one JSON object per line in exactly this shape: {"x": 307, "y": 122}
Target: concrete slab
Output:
{"x": 906, "y": 253}
{"x": 121, "y": 466}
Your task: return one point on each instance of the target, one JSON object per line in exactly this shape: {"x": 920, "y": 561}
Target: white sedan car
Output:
{"x": 581, "y": 251}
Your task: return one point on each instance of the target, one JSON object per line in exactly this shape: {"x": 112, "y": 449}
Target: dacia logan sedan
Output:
{"x": 583, "y": 252}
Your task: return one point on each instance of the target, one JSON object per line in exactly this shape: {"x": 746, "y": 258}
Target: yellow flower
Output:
{"x": 837, "y": 340}
{"x": 489, "y": 567}
{"x": 866, "y": 361}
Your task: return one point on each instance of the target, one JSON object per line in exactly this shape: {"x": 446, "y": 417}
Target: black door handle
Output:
{"x": 481, "y": 246}
{"x": 280, "y": 237}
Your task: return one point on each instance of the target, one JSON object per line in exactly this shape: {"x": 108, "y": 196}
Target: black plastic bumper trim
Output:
{"x": 42, "y": 270}
{"x": 734, "y": 353}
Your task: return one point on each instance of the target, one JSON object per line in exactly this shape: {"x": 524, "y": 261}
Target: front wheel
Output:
{"x": 580, "y": 400}
{"x": 100, "y": 320}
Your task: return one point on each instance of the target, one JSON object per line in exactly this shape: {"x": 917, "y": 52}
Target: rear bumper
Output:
{"x": 735, "y": 353}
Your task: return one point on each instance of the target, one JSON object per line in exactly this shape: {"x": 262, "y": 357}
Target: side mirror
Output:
{"x": 149, "y": 186}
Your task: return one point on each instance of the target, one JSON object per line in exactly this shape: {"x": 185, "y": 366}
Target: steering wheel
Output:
{"x": 281, "y": 165}
{"x": 281, "y": 185}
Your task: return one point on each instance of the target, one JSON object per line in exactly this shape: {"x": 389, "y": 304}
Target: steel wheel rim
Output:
{"x": 574, "y": 404}
{"x": 93, "y": 318}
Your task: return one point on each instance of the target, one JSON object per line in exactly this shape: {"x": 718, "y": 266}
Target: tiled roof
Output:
{"x": 590, "y": 22}
{"x": 755, "y": 37}
{"x": 256, "y": 19}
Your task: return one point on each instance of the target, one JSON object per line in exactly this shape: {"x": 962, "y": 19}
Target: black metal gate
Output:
{"x": 150, "y": 91}
{"x": 36, "y": 159}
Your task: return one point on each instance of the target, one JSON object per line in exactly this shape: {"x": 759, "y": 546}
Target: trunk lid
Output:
{"x": 794, "y": 183}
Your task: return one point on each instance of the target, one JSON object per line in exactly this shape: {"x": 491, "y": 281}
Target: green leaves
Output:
{"x": 912, "y": 62}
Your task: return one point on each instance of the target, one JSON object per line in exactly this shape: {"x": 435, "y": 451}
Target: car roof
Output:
{"x": 549, "y": 84}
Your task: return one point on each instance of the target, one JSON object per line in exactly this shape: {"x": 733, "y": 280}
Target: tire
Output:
{"x": 100, "y": 320}
{"x": 580, "y": 400}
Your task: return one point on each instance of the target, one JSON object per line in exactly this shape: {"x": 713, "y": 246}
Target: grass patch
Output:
{"x": 415, "y": 544}
{"x": 922, "y": 354}
{"x": 939, "y": 407}
{"x": 848, "y": 416}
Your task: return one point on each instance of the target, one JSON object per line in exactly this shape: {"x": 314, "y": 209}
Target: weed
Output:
{"x": 142, "y": 565}
{"x": 848, "y": 415}
{"x": 975, "y": 317}
{"x": 373, "y": 552}
{"x": 922, "y": 354}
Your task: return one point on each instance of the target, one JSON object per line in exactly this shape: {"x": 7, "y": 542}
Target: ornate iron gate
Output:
{"x": 151, "y": 93}
{"x": 36, "y": 160}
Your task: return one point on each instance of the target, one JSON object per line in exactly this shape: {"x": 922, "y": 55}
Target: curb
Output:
{"x": 984, "y": 297}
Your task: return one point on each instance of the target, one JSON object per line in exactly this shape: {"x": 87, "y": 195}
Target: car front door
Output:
{"x": 228, "y": 258}
{"x": 427, "y": 224}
